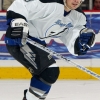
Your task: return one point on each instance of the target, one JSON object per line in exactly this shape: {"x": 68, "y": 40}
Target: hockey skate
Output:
{"x": 24, "y": 98}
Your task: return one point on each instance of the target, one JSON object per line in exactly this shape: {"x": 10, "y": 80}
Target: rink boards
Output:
{"x": 11, "y": 69}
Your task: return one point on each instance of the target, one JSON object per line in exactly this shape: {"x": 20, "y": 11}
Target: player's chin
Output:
{"x": 74, "y": 7}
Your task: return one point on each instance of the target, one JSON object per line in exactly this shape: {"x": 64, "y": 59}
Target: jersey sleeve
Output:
{"x": 70, "y": 38}
{"x": 18, "y": 7}
{"x": 32, "y": 9}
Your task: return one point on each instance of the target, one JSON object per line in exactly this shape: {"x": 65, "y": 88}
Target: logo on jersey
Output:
{"x": 57, "y": 29}
{"x": 63, "y": 24}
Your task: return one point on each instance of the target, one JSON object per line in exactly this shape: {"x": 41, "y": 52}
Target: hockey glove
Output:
{"x": 19, "y": 30}
{"x": 85, "y": 41}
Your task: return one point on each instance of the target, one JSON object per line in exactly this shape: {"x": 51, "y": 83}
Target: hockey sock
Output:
{"x": 37, "y": 89}
{"x": 44, "y": 95}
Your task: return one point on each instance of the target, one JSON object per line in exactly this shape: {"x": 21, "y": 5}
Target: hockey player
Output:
{"x": 38, "y": 21}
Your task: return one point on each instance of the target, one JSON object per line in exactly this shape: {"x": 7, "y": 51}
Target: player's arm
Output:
{"x": 17, "y": 32}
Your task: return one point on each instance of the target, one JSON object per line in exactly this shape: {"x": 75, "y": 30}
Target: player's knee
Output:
{"x": 50, "y": 75}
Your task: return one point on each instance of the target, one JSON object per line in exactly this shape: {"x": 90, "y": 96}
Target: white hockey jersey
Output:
{"x": 47, "y": 20}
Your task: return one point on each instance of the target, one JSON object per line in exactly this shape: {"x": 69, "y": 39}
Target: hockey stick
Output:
{"x": 53, "y": 53}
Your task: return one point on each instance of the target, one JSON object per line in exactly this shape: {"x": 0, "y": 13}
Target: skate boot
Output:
{"x": 24, "y": 98}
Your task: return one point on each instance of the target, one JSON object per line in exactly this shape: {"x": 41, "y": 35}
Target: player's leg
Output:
{"x": 41, "y": 84}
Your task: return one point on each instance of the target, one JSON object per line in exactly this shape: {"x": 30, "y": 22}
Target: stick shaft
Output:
{"x": 53, "y": 53}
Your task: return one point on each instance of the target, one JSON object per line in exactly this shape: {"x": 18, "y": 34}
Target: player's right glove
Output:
{"x": 18, "y": 31}
{"x": 85, "y": 41}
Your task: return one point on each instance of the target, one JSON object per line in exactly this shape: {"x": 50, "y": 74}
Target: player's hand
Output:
{"x": 85, "y": 41}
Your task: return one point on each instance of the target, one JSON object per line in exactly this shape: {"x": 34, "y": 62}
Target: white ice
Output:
{"x": 61, "y": 90}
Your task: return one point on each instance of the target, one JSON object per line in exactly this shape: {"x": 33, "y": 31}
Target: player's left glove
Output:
{"x": 85, "y": 41}
{"x": 17, "y": 32}
{"x": 20, "y": 30}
